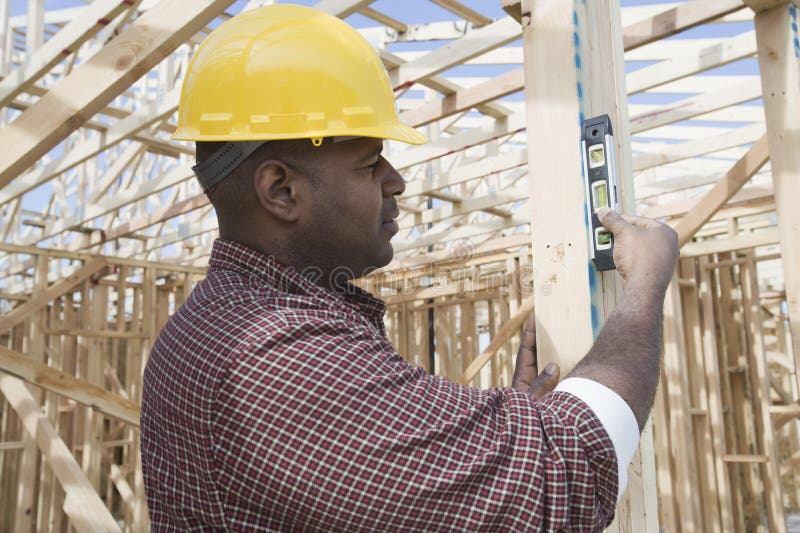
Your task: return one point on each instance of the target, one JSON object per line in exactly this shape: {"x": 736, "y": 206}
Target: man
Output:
{"x": 273, "y": 400}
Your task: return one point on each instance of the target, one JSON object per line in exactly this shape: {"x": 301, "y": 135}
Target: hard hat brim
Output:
{"x": 393, "y": 132}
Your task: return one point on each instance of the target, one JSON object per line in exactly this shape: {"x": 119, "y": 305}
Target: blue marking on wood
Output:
{"x": 793, "y": 14}
{"x": 595, "y": 292}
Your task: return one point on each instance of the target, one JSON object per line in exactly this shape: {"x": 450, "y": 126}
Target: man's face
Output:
{"x": 351, "y": 219}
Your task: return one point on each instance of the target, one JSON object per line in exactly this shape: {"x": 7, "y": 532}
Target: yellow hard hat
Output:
{"x": 287, "y": 72}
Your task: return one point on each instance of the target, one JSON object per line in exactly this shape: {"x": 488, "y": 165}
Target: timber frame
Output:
{"x": 104, "y": 231}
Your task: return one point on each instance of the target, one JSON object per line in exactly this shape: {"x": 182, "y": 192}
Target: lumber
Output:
{"x": 463, "y": 11}
{"x": 696, "y": 105}
{"x": 689, "y": 149}
{"x": 464, "y": 99}
{"x": 41, "y": 375}
{"x": 723, "y": 191}
{"x": 677, "y": 19}
{"x": 713, "y": 381}
{"x": 759, "y": 389}
{"x": 744, "y": 241}
{"x": 95, "y": 82}
{"x": 475, "y": 43}
{"x": 443, "y": 85}
{"x": 396, "y": 25}
{"x": 50, "y": 293}
{"x": 715, "y": 55}
{"x": 779, "y": 63}
{"x": 507, "y": 330}
{"x": 77, "y": 31}
{"x": 86, "y": 511}
{"x": 341, "y": 8}
{"x": 574, "y": 69}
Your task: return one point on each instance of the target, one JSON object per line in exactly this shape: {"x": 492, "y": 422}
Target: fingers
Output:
{"x": 641, "y": 222}
{"x": 525, "y": 369}
{"x": 546, "y": 381}
{"x": 611, "y": 220}
{"x": 615, "y": 222}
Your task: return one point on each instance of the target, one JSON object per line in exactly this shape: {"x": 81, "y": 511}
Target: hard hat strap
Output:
{"x": 223, "y": 161}
{"x": 229, "y": 156}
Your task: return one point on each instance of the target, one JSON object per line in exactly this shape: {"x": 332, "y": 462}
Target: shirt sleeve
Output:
{"x": 324, "y": 427}
{"x": 616, "y": 417}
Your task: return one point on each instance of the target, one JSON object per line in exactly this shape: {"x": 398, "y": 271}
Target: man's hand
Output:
{"x": 645, "y": 250}
{"x": 525, "y": 378}
{"x": 625, "y": 356}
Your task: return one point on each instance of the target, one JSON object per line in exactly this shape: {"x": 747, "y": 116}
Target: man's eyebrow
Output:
{"x": 373, "y": 153}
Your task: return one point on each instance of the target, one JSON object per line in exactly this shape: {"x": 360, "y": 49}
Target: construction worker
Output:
{"x": 273, "y": 400}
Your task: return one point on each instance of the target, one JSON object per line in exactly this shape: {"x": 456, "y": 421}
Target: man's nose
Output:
{"x": 393, "y": 182}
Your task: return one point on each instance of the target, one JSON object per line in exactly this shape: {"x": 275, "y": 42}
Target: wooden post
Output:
{"x": 698, "y": 397}
{"x": 677, "y": 428}
{"x": 715, "y": 415}
{"x": 779, "y": 62}
{"x": 574, "y": 69}
{"x": 759, "y": 387}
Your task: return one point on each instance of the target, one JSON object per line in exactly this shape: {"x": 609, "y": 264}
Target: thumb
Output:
{"x": 611, "y": 219}
{"x": 546, "y": 381}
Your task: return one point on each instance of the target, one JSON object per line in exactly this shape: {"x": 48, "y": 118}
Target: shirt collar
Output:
{"x": 231, "y": 255}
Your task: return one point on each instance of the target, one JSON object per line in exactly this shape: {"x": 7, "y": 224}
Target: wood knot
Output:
{"x": 124, "y": 62}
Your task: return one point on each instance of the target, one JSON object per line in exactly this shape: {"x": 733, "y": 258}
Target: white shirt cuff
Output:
{"x": 616, "y": 416}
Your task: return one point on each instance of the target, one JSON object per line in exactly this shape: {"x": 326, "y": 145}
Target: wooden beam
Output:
{"x": 430, "y": 216}
{"x": 465, "y": 231}
{"x": 661, "y": 25}
{"x": 52, "y": 292}
{"x": 84, "y": 507}
{"x": 465, "y": 99}
{"x": 341, "y": 8}
{"x": 506, "y": 332}
{"x": 742, "y": 241}
{"x": 779, "y": 63}
{"x": 574, "y": 69}
{"x": 748, "y": 196}
{"x": 443, "y": 85}
{"x": 110, "y": 203}
{"x": 493, "y": 130}
{"x": 66, "y": 41}
{"x": 716, "y": 55}
{"x": 454, "y": 255}
{"x": 181, "y": 208}
{"x": 465, "y": 173}
{"x": 464, "y": 12}
{"x": 513, "y": 8}
{"x": 763, "y": 5}
{"x": 472, "y": 44}
{"x": 41, "y": 375}
{"x": 396, "y": 25}
{"x": 675, "y": 20}
{"x": 95, "y": 82}
{"x": 723, "y": 191}
{"x": 689, "y": 149}
{"x": 696, "y": 105}
{"x": 81, "y": 256}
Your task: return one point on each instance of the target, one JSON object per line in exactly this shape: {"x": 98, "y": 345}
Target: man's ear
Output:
{"x": 279, "y": 189}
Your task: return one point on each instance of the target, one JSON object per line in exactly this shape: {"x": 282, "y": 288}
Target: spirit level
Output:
{"x": 600, "y": 180}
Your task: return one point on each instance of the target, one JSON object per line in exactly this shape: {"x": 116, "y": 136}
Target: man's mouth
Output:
{"x": 391, "y": 225}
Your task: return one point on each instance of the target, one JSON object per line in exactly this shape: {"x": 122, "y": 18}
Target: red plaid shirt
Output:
{"x": 272, "y": 404}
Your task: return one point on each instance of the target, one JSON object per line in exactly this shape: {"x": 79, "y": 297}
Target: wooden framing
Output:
{"x": 779, "y": 61}
{"x": 97, "y": 201}
{"x": 586, "y": 78}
